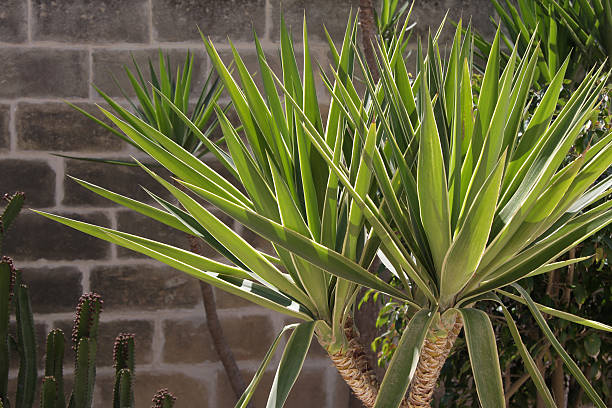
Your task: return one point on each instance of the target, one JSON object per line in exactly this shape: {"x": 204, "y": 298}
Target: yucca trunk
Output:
{"x": 436, "y": 349}
{"x": 353, "y": 366}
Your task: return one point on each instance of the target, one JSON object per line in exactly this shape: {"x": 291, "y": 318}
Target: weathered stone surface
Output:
{"x": 93, "y": 22}
{"x": 125, "y": 180}
{"x": 226, "y": 300}
{"x": 187, "y": 341}
{"x": 4, "y": 127}
{"x": 107, "y": 333}
{"x": 59, "y": 127}
{"x": 34, "y": 177}
{"x": 13, "y": 21}
{"x": 189, "y": 391}
{"x": 111, "y": 63}
{"x": 332, "y": 14}
{"x": 309, "y": 390}
{"x": 249, "y": 337}
{"x": 54, "y": 290}
{"x": 428, "y": 15}
{"x": 178, "y": 20}
{"x": 144, "y": 287}
{"x": 43, "y": 72}
{"x": 134, "y": 223}
{"x": 36, "y": 237}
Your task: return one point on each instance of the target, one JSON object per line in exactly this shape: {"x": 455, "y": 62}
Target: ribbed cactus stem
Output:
{"x": 163, "y": 399}
{"x": 12, "y": 209}
{"x": 54, "y": 363}
{"x": 125, "y": 395}
{"x": 123, "y": 351}
{"x": 87, "y": 318}
{"x": 84, "y": 339}
{"x": 123, "y": 358}
{"x": 48, "y": 392}
{"x": 7, "y": 283}
{"x": 26, "y": 378}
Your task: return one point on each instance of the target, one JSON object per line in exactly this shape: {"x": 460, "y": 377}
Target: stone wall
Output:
{"x": 53, "y": 51}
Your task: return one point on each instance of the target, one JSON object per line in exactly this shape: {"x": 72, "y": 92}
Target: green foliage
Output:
{"x": 581, "y": 28}
{"x": 458, "y": 198}
{"x": 152, "y": 104}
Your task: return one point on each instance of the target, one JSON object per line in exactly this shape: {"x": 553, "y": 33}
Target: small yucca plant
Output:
{"x": 458, "y": 200}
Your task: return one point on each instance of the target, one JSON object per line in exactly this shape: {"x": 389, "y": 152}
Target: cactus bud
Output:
{"x": 12, "y": 209}
{"x": 123, "y": 351}
{"x": 87, "y": 318}
{"x": 12, "y": 274}
{"x": 163, "y": 399}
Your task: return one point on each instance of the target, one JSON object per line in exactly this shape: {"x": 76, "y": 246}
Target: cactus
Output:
{"x": 54, "y": 367}
{"x": 7, "y": 282}
{"x": 26, "y": 345}
{"x": 85, "y": 344}
{"x": 49, "y": 392}
{"x": 163, "y": 399}
{"x": 123, "y": 357}
{"x": 14, "y": 296}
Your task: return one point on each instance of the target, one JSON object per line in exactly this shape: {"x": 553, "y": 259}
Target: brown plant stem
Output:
{"x": 353, "y": 366}
{"x": 436, "y": 350}
{"x": 368, "y": 34}
{"x": 216, "y": 332}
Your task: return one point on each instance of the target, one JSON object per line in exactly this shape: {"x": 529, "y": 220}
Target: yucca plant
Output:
{"x": 286, "y": 189}
{"x": 152, "y": 104}
{"x": 459, "y": 201}
{"x": 479, "y": 201}
{"x": 580, "y": 27}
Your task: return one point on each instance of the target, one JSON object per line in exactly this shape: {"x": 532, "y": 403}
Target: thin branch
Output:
{"x": 216, "y": 332}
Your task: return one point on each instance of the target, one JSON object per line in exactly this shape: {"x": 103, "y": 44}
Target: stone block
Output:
{"x": 319, "y": 13}
{"x": 429, "y": 14}
{"x": 178, "y": 20}
{"x": 59, "y": 127}
{"x": 54, "y": 289}
{"x": 144, "y": 287}
{"x": 107, "y": 332}
{"x": 226, "y": 300}
{"x": 125, "y": 180}
{"x": 13, "y": 21}
{"x": 35, "y": 237}
{"x": 309, "y": 390}
{"x": 189, "y": 391}
{"x": 34, "y": 177}
{"x": 109, "y": 65}
{"x": 5, "y": 136}
{"x": 43, "y": 72}
{"x": 249, "y": 337}
{"x": 187, "y": 341}
{"x": 134, "y": 223}
{"x": 91, "y": 22}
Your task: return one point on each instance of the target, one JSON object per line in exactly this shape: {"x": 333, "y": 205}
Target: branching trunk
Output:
{"x": 433, "y": 355}
{"x": 354, "y": 368}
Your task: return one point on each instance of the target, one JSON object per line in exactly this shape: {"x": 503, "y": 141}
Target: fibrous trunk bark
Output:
{"x": 435, "y": 351}
{"x": 353, "y": 366}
